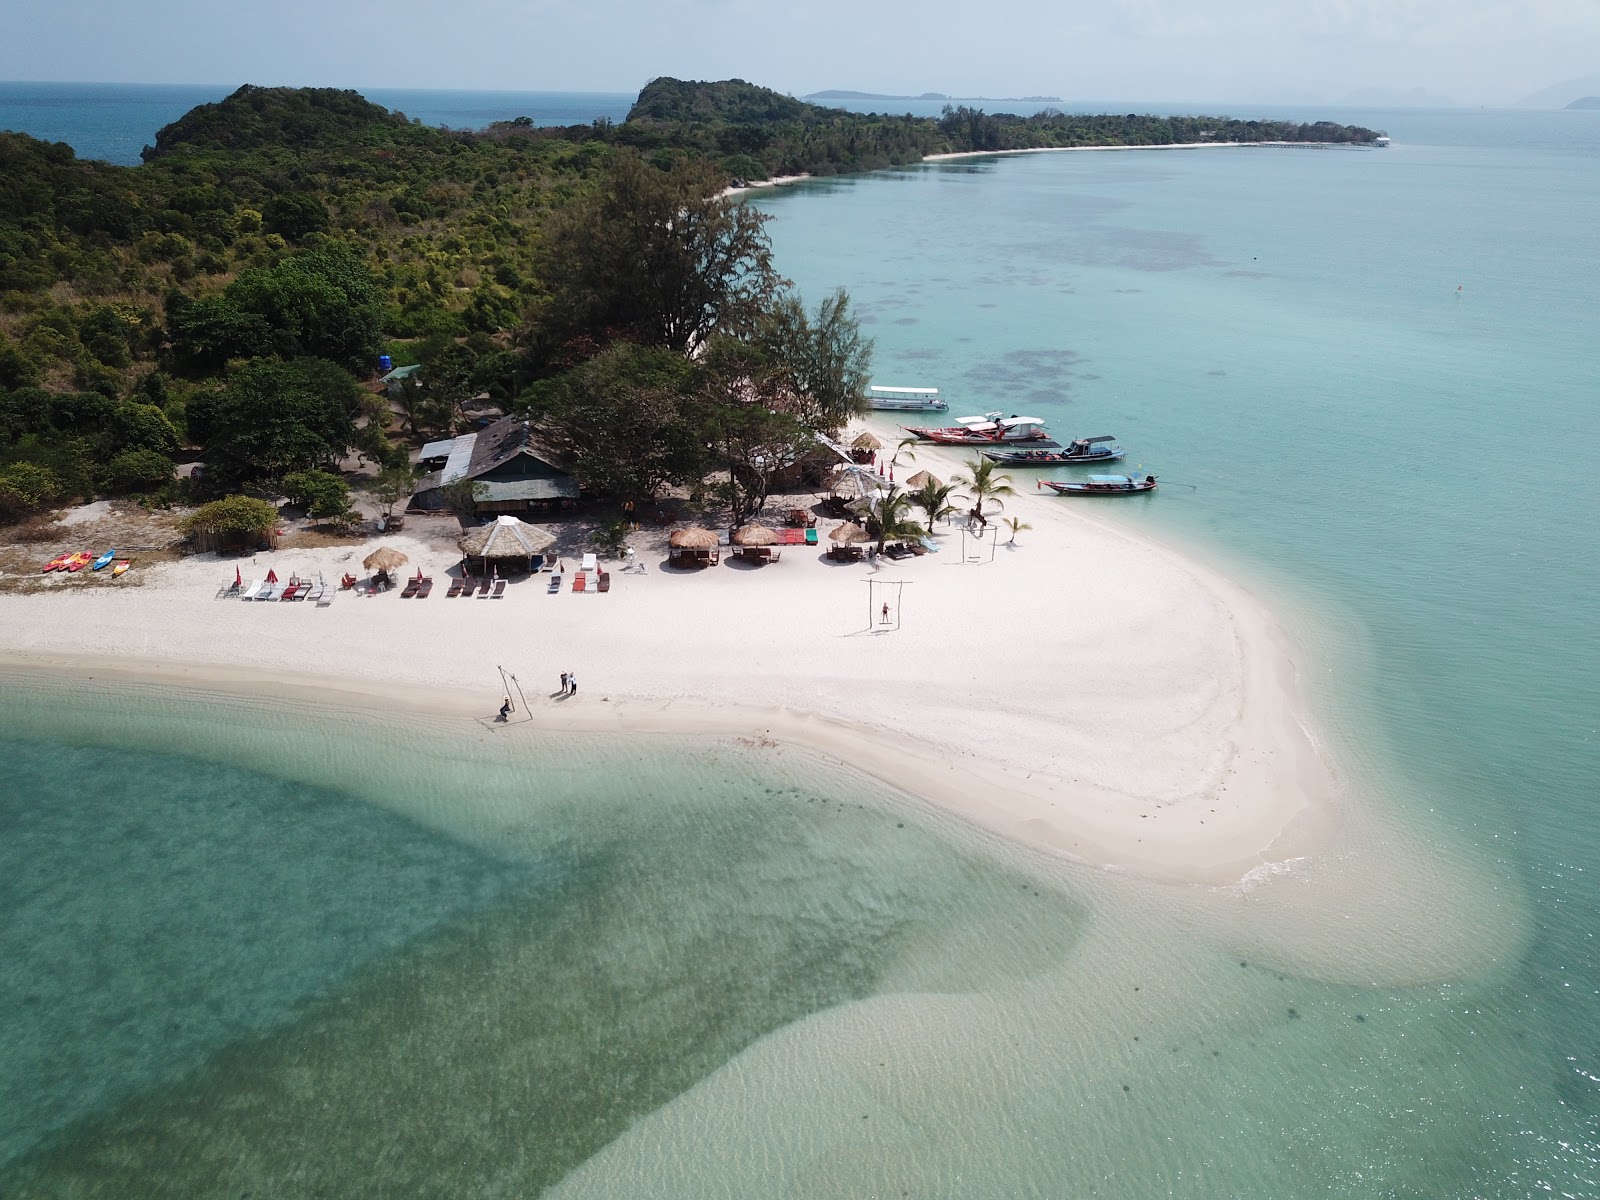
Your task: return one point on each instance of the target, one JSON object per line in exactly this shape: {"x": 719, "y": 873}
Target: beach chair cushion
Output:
{"x": 580, "y": 581}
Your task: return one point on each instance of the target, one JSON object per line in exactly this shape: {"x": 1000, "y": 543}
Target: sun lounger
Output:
{"x": 249, "y": 590}
{"x": 424, "y": 587}
{"x": 314, "y": 593}
{"x": 536, "y": 564}
{"x": 590, "y": 563}
{"x": 270, "y": 592}
{"x": 555, "y": 583}
{"x": 499, "y": 589}
{"x": 411, "y": 587}
{"x": 455, "y": 588}
{"x": 289, "y": 590}
{"x": 580, "y": 581}
{"x": 324, "y": 600}
{"x": 604, "y": 582}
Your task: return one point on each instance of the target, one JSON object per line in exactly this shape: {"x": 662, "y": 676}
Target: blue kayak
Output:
{"x": 104, "y": 560}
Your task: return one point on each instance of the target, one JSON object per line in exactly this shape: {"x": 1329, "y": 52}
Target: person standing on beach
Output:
{"x": 564, "y": 678}
{"x": 572, "y": 683}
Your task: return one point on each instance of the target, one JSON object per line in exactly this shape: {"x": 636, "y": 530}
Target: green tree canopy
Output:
{"x": 231, "y": 516}
{"x": 628, "y": 419}
{"x": 317, "y": 304}
{"x": 657, "y": 257}
{"x": 823, "y": 363}
{"x": 273, "y": 418}
{"x": 320, "y": 493}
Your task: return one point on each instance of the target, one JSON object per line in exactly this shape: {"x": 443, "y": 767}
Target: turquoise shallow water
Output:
{"x": 252, "y": 946}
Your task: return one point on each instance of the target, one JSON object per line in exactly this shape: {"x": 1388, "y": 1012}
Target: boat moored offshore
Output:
{"x": 905, "y": 399}
{"x": 982, "y": 431}
{"x": 1102, "y": 485}
{"x": 1081, "y": 452}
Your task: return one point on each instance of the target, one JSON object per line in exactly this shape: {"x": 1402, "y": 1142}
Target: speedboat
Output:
{"x": 905, "y": 399}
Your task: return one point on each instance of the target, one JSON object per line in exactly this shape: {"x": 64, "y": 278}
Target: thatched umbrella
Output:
{"x": 849, "y": 533}
{"x": 693, "y": 539}
{"x": 865, "y": 441}
{"x": 921, "y": 480}
{"x": 506, "y": 537}
{"x": 754, "y": 535}
{"x": 385, "y": 558}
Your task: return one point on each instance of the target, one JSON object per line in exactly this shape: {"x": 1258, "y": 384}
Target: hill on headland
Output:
{"x": 1583, "y": 102}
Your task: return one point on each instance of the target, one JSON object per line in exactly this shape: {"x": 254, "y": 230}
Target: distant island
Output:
{"x": 838, "y": 94}
{"x": 1591, "y": 102}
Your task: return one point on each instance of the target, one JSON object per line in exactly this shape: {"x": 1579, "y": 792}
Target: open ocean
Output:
{"x": 249, "y": 947}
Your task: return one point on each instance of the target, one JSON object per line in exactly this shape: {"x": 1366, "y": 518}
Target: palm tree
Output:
{"x": 906, "y": 446}
{"x": 984, "y": 483}
{"x": 887, "y": 517}
{"x": 933, "y": 498}
{"x": 1016, "y": 526}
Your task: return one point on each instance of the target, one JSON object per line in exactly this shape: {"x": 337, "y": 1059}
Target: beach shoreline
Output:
{"x": 1141, "y": 716}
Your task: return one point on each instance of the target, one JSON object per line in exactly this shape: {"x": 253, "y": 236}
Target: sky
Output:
{"x": 1304, "y": 51}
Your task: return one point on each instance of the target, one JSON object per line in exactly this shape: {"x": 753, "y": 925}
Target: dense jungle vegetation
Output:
{"x": 228, "y": 294}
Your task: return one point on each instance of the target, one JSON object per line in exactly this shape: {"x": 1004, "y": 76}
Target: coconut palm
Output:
{"x": 933, "y": 498}
{"x": 986, "y": 484}
{"x": 887, "y": 520}
{"x": 1015, "y": 526}
{"x": 906, "y": 446}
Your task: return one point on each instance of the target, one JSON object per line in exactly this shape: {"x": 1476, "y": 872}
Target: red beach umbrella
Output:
{"x": 272, "y": 576}
{"x": 238, "y": 579}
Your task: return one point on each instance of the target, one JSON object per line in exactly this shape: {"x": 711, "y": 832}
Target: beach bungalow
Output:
{"x": 514, "y": 476}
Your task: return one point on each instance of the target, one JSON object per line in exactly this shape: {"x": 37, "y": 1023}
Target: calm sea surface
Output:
{"x": 248, "y": 947}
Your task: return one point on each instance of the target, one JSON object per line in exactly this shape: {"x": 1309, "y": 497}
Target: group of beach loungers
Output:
{"x": 484, "y": 589}
{"x": 270, "y": 589}
{"x": 588, "y": 580}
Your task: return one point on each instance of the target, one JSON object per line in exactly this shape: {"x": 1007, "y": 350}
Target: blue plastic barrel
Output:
{"x": 385, "y": 363}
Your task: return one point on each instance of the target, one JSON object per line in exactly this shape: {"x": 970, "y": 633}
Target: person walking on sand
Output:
{"x": 572, "y": 683}
{"x": 563, "y": 683}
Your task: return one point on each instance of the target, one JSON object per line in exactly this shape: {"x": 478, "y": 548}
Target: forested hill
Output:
{"x": 295, "y": 118}
{"x": 755, "y": 132}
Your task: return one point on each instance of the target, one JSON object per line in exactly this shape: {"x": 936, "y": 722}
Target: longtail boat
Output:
{"x": 983, "y": 431}
{"x": 1082, "y": 452}
{"x": 1102, "y": 485}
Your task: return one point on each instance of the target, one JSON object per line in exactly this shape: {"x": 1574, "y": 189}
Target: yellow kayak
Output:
{"x": 120, "y": 567}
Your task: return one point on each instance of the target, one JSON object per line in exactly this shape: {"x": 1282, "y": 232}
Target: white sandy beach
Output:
{"x": 1083, "y": 691}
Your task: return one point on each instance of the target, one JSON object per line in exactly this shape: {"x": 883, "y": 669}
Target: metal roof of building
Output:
{"x": 491, "y": 492}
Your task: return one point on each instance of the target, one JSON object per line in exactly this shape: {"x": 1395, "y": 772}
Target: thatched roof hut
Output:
{"x": 866, "y": 441}
{"x": 384, "y": 558}
{"x": 754, "y": 535}
{"x": 921, "y": 480}
{"x": 695, "y": 547}
{"x": 505, "y": 543}
{"x": 692, "y": 539}
{"x": 849, "y": 533}
{"x": 506, "y": 537}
